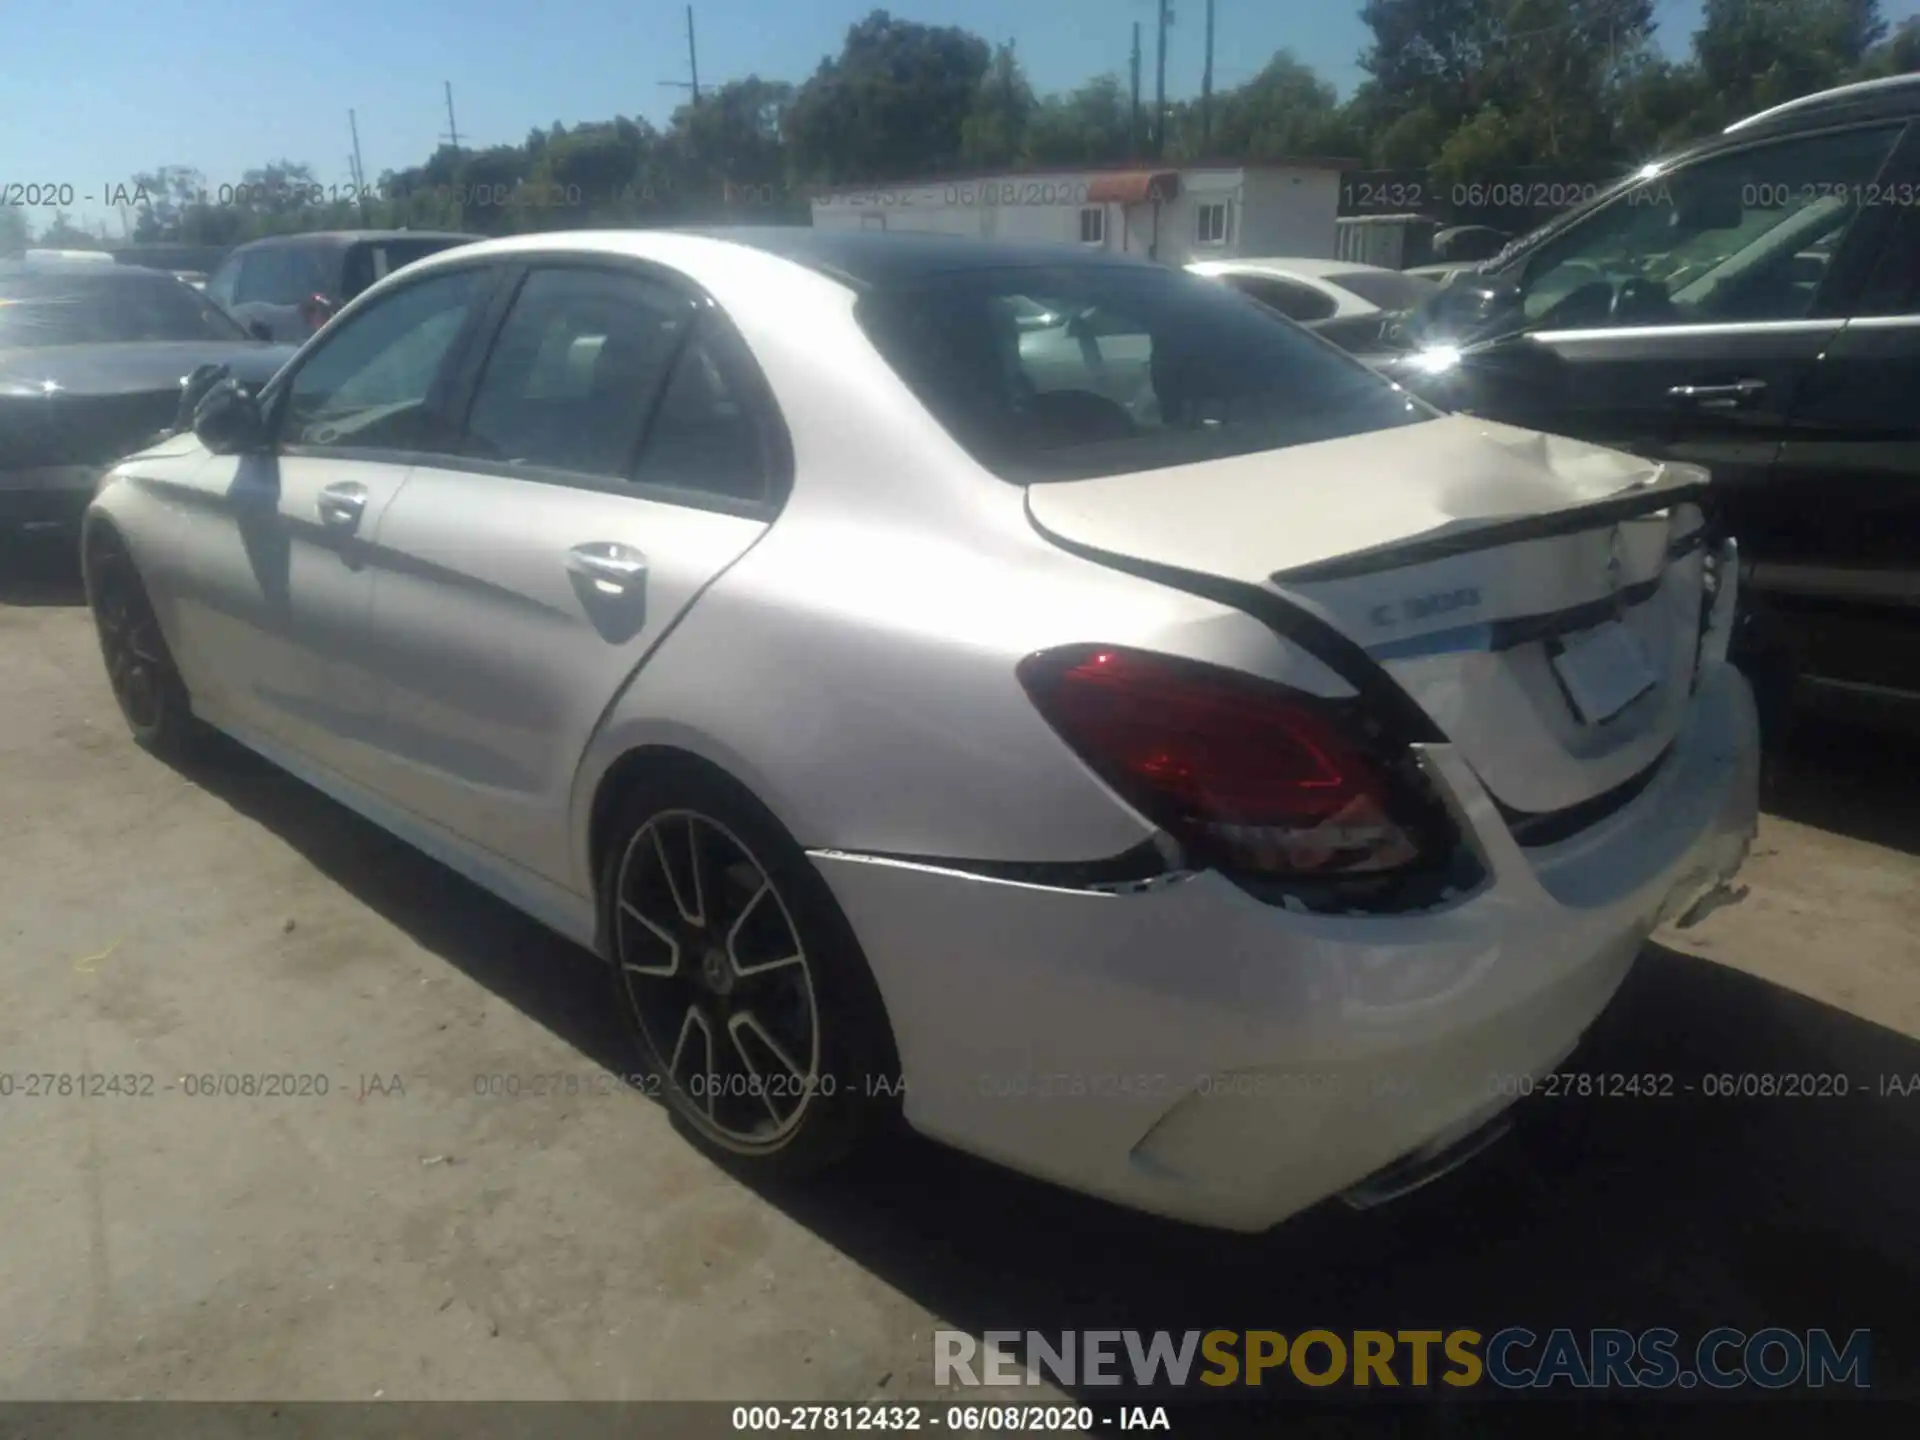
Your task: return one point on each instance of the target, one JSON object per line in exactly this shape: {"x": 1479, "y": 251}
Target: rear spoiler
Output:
{"x": 1670, "y": 486}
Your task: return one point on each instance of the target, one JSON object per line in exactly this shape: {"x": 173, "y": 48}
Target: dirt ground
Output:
{"x": 406, "y": 1236}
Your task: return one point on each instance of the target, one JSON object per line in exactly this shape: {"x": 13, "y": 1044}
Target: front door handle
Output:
{"x": 614, "y": 569}
{"x": 1718, "y": 397}
{"x": 341, "y": 505}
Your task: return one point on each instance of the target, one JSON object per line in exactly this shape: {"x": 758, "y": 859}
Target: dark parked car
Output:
{"x": 287, "y": 286}
{"x": 1751, "y": 303}
{"x": 93, "y": 363}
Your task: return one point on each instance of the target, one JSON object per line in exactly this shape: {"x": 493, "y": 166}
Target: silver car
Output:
{"x": 1214, "y": 803}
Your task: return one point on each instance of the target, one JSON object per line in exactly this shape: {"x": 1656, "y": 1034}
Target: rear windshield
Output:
{"x": 1389, "y": 289}
{"x": 116, "y": 304}
{"x": 1143, "y": 368}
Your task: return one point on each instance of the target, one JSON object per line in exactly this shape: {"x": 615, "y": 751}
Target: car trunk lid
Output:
{"x": 1538, "y": 598}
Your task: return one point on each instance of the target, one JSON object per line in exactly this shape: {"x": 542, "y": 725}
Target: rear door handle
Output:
{"x": 1718, "y": 397}
{"x": 613, "y": 568}
{"x": 342, "y": 504}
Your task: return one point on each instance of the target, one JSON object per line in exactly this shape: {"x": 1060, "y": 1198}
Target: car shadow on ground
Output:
{"x": 1689, "y": 1211}
{"x": 40, "y": 569}
{"x": 1850, "y": 780}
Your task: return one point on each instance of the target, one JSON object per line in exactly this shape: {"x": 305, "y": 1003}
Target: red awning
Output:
{"x": 1133, "y": 187}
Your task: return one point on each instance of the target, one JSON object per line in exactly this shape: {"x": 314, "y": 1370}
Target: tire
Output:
{"x": 777, "y": 1067}
{"x": 146, "y": 683}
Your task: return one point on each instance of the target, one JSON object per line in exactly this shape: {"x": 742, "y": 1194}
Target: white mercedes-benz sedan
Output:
{"x": 1217, "y": 799}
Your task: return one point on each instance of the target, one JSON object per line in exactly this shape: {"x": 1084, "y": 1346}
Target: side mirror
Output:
{"x": 260, "y": 330}
{"x": 228, "y": 420}
{"x": 193, "y": 390}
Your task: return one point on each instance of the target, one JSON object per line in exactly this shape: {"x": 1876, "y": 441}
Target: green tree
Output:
{"x": 1658, "y": 105}
{"x": 170, "y": 190}
{"x": 1286, "y": 110}
{"x": 724, "y": 158}
{"x": 15, "y": 234}
{"x": 891, "y": 105}
{"x": 995, "y": 130}
{"x": 1753, "y": 54}
{"x": 1086, "y": 126}
{"x": 63, "y": 234}
{"x": 1898, "y": 54}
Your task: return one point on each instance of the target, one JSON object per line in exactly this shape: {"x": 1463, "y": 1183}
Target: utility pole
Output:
{"x": 692, "y": 83}
{"x": 1160, "y": 86}
{"x": 693, "y": 60}
{"x": 359, "y": 170}
{"x": 1206, "y": 90}
{"x": 453, "y": 131}
{"x": 1133, "y": 110}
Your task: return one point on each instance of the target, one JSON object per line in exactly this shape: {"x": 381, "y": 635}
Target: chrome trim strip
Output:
{"x": 1754, "y": 327}
{"x": 1860, "y": 687}
{"x": 1884, "y": 322}
{"x": 1839, "y": 582}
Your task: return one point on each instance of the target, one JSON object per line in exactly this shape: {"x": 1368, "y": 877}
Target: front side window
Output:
{"x": 1149, "y": 368}
{"x": 1739, "y": 237}
{"x": 1213, "y": 223}
{"x": 366, "y": 385}
{"x": 575, "y": 372}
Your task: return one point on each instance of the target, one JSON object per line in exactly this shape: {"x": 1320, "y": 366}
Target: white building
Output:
{"x": 1168, "y": 214}
{"x": 1164, "y": 213}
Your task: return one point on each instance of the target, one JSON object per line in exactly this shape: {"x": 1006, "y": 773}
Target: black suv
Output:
{"x": 286, "y": 287}
{"x": 1751, "y": 304}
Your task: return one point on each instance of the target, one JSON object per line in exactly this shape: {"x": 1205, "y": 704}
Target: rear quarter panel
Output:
{"x": 861, "y": 681}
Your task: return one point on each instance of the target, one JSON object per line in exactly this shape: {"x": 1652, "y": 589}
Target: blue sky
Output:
{"x": 95, "y": 90}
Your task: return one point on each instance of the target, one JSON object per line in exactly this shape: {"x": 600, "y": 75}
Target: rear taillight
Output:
{"x": 1247, "y": 775}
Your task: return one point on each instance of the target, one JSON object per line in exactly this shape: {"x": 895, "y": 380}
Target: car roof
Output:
{"x": 880, "y": 259}
{"x": 1891, "y": 96}
{"x": 119, "y": 274}
{"x": 1283, "y": 265}
{"x": 337, "y": 239}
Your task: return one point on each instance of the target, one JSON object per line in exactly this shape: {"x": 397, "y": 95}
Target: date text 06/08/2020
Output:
{"x": 1552, "y": 1085}
{"x": 976, "y": 1419}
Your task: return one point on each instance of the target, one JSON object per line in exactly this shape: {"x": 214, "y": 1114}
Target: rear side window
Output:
{"x": 576, "y": 370}
{"x": 706, "y": 435}
{"x": 1149, "y": 368}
